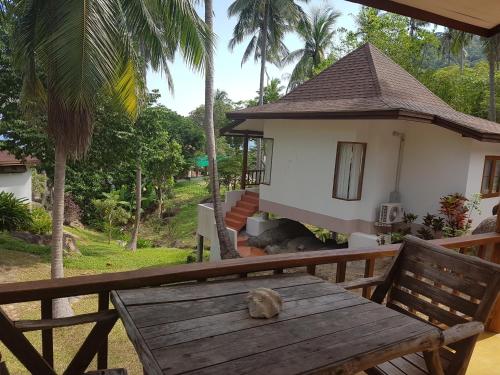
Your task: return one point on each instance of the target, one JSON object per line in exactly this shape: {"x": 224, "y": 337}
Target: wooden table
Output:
{"x": 204, "y": 328}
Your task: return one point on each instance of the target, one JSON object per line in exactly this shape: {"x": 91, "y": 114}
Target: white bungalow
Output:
{"x": 363, "y": 133}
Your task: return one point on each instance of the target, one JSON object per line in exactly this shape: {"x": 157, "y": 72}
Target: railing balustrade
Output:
{"x": 482, "y": 245}
{"x": 254, "y": 177}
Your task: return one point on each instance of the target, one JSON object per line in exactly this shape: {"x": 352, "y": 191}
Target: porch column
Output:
{"x": 244, "y": 168}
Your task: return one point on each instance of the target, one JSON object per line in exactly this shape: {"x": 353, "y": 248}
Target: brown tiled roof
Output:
{"x": 7, "y": 159}
{"x": 368, "y": 84}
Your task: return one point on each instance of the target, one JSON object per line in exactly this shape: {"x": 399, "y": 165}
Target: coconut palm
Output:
{"x": 266, "y": 22}
{"x": 85, "y": 48}
{"x": 492, "y": 50}
{"x": 457, "y": 42}
{"x": 416, "y": 25}
{"x": 317, "y": 32}
{"x": 227, "y": 249}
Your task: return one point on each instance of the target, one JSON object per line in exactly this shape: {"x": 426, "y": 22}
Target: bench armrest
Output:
{"x": 460, "y": 332}
{"x": 362, "y": 283}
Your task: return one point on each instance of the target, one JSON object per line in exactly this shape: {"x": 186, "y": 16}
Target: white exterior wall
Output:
{"x": 304, "y": 163}
{"x": 436, "y": 162}
{"x": 17, "y": 183}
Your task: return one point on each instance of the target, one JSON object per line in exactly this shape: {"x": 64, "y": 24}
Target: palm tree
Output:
{"x": 416, "y": 25}
{"x": 459, "y": 42}
{"x": 85, "y": 48}
{"x": 492, "y": 49}
{"x": 316, "y": 31}
{"x": 266, "y": 22}
{"x": 227, "y": 249}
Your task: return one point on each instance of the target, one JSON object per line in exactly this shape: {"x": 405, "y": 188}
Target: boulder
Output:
{"x": 287, "y": 229}
{"x": 304, "y": 244}
{"x": 277, "y": 249}
{"x": 76, "y": 224}
{"x": 69, "y": 240}
{"x": 486, "y": 226}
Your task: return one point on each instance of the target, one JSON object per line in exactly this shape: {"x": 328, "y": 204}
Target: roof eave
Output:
{"x": 240, "y": 117}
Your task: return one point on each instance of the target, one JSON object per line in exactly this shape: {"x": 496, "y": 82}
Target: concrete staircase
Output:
{"x": 247, "y": 206}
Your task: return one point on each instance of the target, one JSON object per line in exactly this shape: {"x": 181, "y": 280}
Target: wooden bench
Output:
{"x": 452, "y": 291}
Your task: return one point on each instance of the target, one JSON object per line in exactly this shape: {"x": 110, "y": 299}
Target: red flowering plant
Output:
{"x": 457, "y": 210}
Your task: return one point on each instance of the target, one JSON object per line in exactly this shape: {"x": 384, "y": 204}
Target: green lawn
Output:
{"x": 20, "y": 261}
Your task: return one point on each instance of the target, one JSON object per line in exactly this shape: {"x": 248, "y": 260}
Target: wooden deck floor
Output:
{"x": 486, "y": 360}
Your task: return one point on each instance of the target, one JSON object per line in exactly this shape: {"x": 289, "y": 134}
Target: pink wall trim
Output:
{"x": 320, "y": 220}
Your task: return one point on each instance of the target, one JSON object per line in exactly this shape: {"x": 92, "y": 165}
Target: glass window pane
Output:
{"x": 485, "y": 184}
{"x": 496, "y": 176}
{"x": 349, "y": 170}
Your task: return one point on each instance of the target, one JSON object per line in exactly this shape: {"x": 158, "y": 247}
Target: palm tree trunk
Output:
{"x": 263, "y": 59}
{"x": 60, "y": 307}
{"x": 227, "y": 249}
{"x": 462, "y": 58}
{"x": 263, "y": 53}
{"x": 138, "y": 199}
{"x": 492, "y": 57}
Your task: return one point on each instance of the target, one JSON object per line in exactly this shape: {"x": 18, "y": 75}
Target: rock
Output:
{"x": 29, "y": 237}
{"x": 304, "y": 244}
{"x": 76, "y": 224}
{"x": 121, "y": 243}
{"x": 69, "y": 244}
{"x": 276, "y": 249}
{"x": 178, "y": 244}
{"x": 486, "y": 226}
{"x": 264, "y": 303}
{"x": 287, "y": 229}
{"x": 69, "y": 240}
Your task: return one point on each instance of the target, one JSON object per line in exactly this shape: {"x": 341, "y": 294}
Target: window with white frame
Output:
{"x": 349, "y": 168}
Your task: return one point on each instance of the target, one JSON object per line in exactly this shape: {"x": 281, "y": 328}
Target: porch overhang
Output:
{"x": 481, "y": 17}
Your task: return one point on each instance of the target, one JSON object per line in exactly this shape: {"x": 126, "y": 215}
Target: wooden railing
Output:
{"x": 483, "y": 245}
{"x": 254, "y": 177}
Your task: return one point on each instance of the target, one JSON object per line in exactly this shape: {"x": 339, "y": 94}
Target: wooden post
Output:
{"x": 102, "y": 354}
{"x": 244, "y": 170}
{"x": 47, "y": 334}
{"x": 199, "y": 248}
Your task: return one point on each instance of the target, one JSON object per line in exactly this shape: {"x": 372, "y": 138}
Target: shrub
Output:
{"x": 14, "y": 212}
{"x": 41, "y": 221}
{"x": 143, "y": 243}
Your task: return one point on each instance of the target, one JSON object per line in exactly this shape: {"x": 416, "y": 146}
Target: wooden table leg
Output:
{"x": 433, "y": 362}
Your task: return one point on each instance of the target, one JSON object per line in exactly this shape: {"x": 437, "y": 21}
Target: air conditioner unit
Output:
{"x": 390, "y": 213}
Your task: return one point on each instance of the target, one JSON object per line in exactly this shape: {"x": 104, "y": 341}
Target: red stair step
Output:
{"x": 252, "y": 193}
{"x": 247, "y": 205}
{"x": 236, "y": 216}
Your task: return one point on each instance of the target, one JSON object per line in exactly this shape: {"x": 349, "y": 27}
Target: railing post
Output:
{"x": 369, "y": 269}
{"x": 47, "y": 334}
{"x": 102, "y": 354}
{"x": 244, "y": 171}
{"x": 341, "y": 269}
{"x": 311, "y": 269}
{"x": 200, "y": 248}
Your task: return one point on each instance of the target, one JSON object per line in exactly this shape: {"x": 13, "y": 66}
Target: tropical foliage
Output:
{"x": 316, "y": 30}
{"x": 14, "y": 212}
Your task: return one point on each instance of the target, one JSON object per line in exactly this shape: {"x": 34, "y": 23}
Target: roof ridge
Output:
{"x": 373, "y": 69}
{"x": 326, "y": 70}
{"x": 413, "y": 78}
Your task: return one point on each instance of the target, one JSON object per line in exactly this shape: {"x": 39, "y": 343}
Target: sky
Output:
{"x": 240, "y": 82}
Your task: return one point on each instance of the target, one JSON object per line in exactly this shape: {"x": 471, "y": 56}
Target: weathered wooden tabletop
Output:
{"x": 204, "y": 328}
